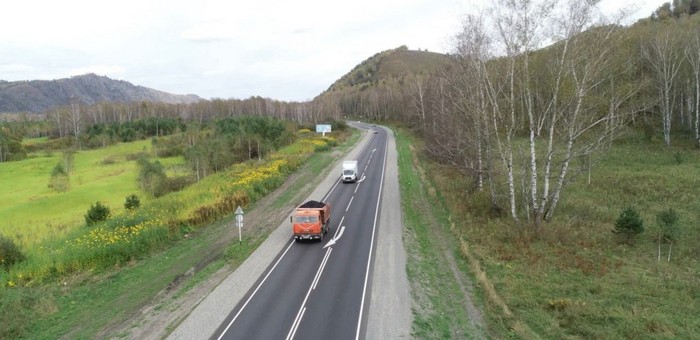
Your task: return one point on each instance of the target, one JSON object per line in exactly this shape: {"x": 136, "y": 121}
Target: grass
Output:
{"x": 31, "y": 212}
{"x": 573, "y": 278}
{"x": 112, "y": 297}
{"x": 106, "y": 296}
{"x": 438, "y": 309}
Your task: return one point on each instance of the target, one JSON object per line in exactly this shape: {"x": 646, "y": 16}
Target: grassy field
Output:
{"x": 32, "y": 212}
{"x": 103, "y": 273}
{"x": 574, "y": 278}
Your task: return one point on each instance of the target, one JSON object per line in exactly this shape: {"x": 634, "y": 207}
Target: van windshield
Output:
{"x": 349, "y": 172}
{"x": 305, "y": 219}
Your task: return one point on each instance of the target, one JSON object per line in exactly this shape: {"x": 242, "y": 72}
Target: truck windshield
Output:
{"x": 305, "y": 219}
{"x": 348, "y": 172}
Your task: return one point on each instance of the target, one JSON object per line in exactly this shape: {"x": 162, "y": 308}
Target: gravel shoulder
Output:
{"x": 390, "y": 315}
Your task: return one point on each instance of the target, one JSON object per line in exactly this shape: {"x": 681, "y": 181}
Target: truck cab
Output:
{"x": 311, "y": 220}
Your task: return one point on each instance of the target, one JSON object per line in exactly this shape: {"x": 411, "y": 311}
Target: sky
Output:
{"x": 280, "y": 49}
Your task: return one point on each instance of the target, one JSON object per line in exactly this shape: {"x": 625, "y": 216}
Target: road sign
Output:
{"x": 239, "y": 221}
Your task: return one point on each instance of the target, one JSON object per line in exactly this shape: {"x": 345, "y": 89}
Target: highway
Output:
{"x": 320, "y": 290}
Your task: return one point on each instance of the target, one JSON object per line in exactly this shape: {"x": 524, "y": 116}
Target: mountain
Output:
{"x": 42, "y": 95}
{"x": 390, "y": 64}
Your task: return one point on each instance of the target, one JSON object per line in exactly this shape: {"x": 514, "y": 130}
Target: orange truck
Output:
{"x": 311, "y": 220}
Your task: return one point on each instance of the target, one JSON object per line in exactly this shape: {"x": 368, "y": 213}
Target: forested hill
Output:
{"x": 43, "y": 95}
{"x": 394, "y": 63}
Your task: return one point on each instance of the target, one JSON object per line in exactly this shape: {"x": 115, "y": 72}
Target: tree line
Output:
{"x": 535, "y": 88}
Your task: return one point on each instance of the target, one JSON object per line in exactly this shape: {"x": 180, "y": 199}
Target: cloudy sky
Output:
{"x": 287, "y": 50}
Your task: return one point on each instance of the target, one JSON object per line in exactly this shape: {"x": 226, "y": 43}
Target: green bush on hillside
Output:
{"x": 132, "y": 202}
{"x": 98, "y": 212}
{"x": 629, "y": 224}
{"x": 151, "y": 176}
{"x": 10, "y": 254}
{"x": 59, "y": 180}
{"x": 668, "y": 224}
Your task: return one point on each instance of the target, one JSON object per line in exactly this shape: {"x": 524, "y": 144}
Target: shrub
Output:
{"x": 108, "y": 160}
{"x": 667, "y": 221}
{"x": 59, "y": 180}
{"x": 678, "y": 157}
{"x": 151, "y": 176}
{"x": 173, "y": 184}
{"x": 132, "y": 202}
{"x": 10, "y": 254}
{"x": 629, "y": 224}
{"x": 98, "y": 212}
{"x": 668, "y": 224}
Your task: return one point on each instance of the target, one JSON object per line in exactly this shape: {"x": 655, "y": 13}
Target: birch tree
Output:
{"x": 665, "y": 61}
{"x": 552, "y": 97}
{"x": 75, "y": 119}
{"x": 692, "y": 54}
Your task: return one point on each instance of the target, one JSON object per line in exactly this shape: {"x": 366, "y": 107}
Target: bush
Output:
{"x": 132, "y": 202}
{"x": 10, "y": 254}
{"x": 668, "y": 224}
{"x": 629, "y": 224}
{"x": 97, "y": 213}
{"x": 173, "y": 184}
{"x": 151, "y": 176}
{"x": 59, "y": 180}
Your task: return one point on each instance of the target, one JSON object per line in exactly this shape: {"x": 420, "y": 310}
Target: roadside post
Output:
{"x": 239, "y": 221}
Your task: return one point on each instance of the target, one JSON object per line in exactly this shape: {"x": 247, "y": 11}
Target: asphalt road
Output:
{"x": 320, "y": 290}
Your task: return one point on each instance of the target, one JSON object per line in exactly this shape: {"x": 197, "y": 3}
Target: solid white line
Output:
{"x": 297, "y": 320}
{"x": 296, "y": 324}
{"x": 349, "y": 203}
{"x": 320, "y": 269}
{"x": 255, "y": 291}
{"x": 371, "y": 244}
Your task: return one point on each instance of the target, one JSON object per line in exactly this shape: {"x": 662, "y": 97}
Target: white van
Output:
{"x": 349, "y": 171}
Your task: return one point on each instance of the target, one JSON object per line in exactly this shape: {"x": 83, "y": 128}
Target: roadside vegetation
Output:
{"x": 576, "y": 277}
{"x": 110, "y": 232}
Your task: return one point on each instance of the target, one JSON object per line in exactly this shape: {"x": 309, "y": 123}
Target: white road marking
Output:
{"x": 371, "y": 246}
{"x": 255, "y": 291}
{"x": 302, "y": 309}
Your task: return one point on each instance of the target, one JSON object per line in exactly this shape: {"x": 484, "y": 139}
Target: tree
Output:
{"x": 10, "y": 253}
{"x": 629, "y": 224}
{"x": 75, "y": 119}
{"x": 151, "y": 176}
{"x": 132, "y": 202}
{"x": 665, "y": 60}
{"x": 11, "y": 144}
{"x": 692, "y": 54}
{"x": 667, "y": 222}
{"x": 552, "y": 97}
{"x": 59, "y": 180}
{"x": 98, "y": 212}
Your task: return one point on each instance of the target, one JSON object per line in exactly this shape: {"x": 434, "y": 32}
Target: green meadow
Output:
{"x": 32, "y": 212}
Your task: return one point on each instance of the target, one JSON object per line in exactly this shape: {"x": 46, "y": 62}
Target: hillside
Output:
{"x": 42, "y": 95}
{"x": 395, "y": 63}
